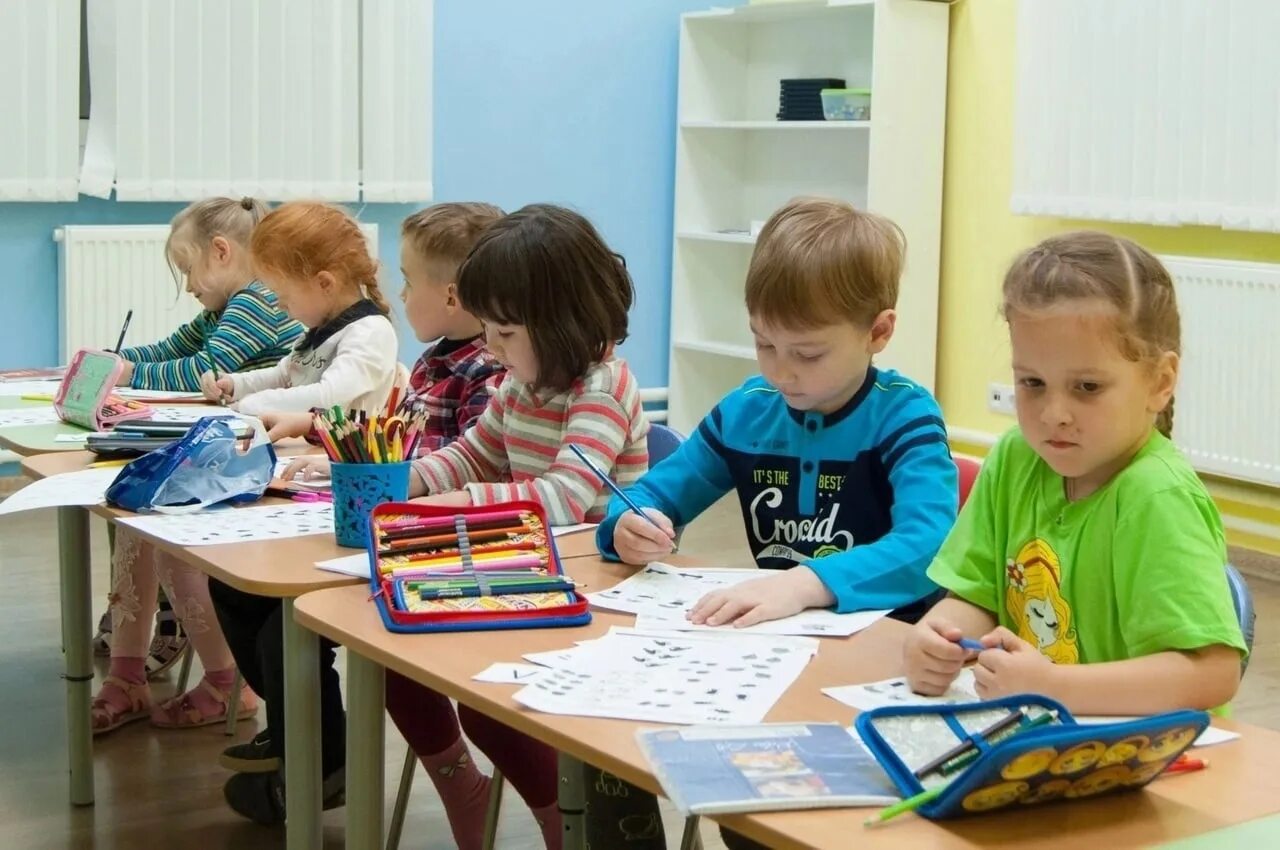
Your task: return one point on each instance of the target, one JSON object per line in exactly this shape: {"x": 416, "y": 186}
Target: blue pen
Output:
{"x": 969, "y": 643}
{"x": 617, "y": 491}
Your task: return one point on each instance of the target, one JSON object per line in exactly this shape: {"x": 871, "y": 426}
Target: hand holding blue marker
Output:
{"x": 617, "y": 491}
{"x": 970, "y": 643}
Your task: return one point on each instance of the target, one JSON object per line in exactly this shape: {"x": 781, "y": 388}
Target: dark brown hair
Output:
{"x": 819, "y": 261}
{"x": 1091, "y": 264}
{"x": 446, "y": 233}
{"x": 547, "y": 268}
{"x": 300, "y": 239}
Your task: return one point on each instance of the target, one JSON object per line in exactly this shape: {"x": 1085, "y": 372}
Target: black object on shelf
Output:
{"x": 801, "y": 99}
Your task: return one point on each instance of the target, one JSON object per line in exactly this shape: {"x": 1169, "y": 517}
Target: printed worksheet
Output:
{"x": 82, "y": 487}
{"x": 238, "y": 525}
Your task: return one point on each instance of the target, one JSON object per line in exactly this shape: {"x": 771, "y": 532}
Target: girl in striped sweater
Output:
{"x": 554, "y": 301}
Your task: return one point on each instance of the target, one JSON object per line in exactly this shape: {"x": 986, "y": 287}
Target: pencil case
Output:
{"x": 404, "y": 536}
{"x": 1061, "y": 760}
{"x": 86, "y": 395}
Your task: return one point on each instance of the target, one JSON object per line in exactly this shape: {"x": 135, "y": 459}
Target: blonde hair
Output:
{"x": 818, "y": 261}
{"x": 1089, "y": 264}
{"x": 193, "y": 228}
{"x": 300, "y": 239}
{"x": 1035, "y": 574}
{"x": 446, "y": 233}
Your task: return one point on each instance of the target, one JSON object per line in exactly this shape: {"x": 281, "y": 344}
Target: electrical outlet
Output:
{"x": 1000, "y": 399}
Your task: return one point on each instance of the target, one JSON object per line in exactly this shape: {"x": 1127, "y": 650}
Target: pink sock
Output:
{"x": 551, "y": 824}
{"x": 204, "y": 701}
{"x": 133, "y": 670}
{"x": 463, "y": 789}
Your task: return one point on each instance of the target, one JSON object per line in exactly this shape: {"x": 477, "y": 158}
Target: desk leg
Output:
{"x": 365, "y": 745}
{"x": 572, "y": 800}
{"x": 301, "y": 734}
{"x": 73, "y": 565}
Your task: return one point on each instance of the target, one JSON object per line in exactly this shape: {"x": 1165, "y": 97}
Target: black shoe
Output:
{"x": 252, "y": 756}
{"x": 260, "y": 796}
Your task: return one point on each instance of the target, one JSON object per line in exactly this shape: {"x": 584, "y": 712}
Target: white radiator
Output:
{"x": 1227, "y": 415}
{"x": 106, "y": 270}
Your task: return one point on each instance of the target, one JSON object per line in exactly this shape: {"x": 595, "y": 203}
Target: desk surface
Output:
{"x": 28, "y": 440}
{"x": 283, "y": 568}
{"x": 1241, "y": 785}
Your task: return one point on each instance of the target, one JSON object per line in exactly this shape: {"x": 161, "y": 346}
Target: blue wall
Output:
{"x": 566, "y": 101}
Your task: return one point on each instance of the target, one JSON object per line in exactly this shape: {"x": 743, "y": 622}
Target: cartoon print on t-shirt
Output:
{"x": 1034, "y": 600}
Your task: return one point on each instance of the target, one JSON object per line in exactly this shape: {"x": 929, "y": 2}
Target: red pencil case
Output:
{"x": 469, "y": 542}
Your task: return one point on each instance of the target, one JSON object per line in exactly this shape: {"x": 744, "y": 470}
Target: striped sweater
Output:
{"x": 249, "y": 333}
{"x": 519, "y": 447}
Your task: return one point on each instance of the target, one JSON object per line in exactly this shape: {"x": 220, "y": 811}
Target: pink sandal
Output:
{"x": 181, "y": 713}
{"x": 106, "y": 716}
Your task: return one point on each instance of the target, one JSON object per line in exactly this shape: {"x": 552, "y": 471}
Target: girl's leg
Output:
{"x": 124, "y": 695}
{"x": 188, "y": 592}
{"x": 529, "y": 765}
{"x": 429, "y": 724}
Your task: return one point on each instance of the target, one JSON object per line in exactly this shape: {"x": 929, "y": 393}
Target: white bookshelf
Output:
{"x": 735, "y": 164}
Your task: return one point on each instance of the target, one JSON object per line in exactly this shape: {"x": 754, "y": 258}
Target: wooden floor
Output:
{"x": 157, "y": 786}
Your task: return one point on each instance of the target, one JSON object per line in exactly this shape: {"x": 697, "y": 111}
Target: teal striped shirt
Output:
{"x": 251, "y": 332}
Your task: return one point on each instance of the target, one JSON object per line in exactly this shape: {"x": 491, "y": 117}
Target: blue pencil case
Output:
{"x": 1025, "y": 762}
{"x": 408, "y": 542}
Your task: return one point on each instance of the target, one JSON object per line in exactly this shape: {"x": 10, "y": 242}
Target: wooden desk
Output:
{"x": 1242, "y": 783}
{"x": 29, "y": 440}
{"x": 277, "y": 568}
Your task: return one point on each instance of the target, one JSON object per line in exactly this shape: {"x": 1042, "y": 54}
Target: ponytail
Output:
{"x": 373, "y": 292}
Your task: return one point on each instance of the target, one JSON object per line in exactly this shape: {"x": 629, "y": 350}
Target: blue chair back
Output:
{"x": 663, "y": 441}
{"x": 1242, "y": 599}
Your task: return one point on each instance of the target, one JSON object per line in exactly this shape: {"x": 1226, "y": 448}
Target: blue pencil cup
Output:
{"x": 357, "y": 489}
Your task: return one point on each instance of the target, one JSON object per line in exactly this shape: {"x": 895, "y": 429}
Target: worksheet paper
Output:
{"x": 82, "y": 487}
{"x": 672, "y": 677}
{"x": 238, "y": 525}
{"x": 17, "y": 389}
{"x": 44, "y": 415}
{"x": 661, "y": 595}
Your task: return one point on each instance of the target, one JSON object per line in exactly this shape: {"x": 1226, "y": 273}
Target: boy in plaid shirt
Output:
{"x": 454, "y": 379}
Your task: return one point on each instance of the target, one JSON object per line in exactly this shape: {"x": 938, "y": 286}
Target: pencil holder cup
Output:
{"x": 357, "y": 489}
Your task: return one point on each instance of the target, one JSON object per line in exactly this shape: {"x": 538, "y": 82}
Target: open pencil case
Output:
{"x": 1025, "y": 763}
{"x": 86, "y": 395}
{"x": 406, "y": 540}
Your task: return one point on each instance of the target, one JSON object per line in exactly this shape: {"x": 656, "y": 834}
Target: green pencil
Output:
{"x": 908, "y": 805}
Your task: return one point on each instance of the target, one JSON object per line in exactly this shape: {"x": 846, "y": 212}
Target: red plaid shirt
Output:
{"x": 455, "y": 387}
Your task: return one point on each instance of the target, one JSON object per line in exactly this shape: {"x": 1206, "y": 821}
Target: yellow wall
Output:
{"x": 980, "y": 236}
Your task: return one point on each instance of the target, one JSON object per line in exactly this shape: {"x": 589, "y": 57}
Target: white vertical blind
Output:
{"x": 396, "y": 121}
{"x": 39, "y": 100}
{"x": 1155, "y": 111}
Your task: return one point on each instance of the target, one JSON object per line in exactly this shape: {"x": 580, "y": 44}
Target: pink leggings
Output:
{"x": 430, "y": 725}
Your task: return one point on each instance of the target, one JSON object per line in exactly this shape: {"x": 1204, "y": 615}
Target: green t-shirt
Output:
{"x": 1134, "y": 569}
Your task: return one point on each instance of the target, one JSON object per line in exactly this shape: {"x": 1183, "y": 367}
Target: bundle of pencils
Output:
{"x": 502, "y": 548}
{"x": 353, "y": 436}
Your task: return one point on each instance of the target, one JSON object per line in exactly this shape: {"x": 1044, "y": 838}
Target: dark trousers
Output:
{"x": 253, "y": 626}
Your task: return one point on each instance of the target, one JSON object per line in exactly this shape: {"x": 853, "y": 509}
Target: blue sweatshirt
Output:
{"x": 863, "y": 496}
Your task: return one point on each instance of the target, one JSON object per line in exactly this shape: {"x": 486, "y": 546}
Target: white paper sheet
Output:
{"x": 43, "y": 415}
{"x": 349, "y": 565}
{"x": 896, "y": 692}
{"x": 71, "y": 438}
{"x": 188, "y": 412}
{"x": 238, "y": 525}
{"x": 82, "y": 487}
{"x": 562, "y": 530}
{"x": 504, "y": 673}
{"x": 148, "y": 395}
{"x": 1208, "y": 737}
{"x": 17, "y": 389}
{"x": 675, "y": 678}
{"x": 660, "y": 595}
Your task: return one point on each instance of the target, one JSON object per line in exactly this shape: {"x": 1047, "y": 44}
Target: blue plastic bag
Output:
{"x": 203, "y": 467}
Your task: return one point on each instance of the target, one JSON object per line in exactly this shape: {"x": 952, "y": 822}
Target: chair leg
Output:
{"x": 493, "y": 810}
{"x": 402, "y": 799}
{"x": 184, "y": 672}
{"x": 692, "y": 838}
{"x": 233, "y": 703}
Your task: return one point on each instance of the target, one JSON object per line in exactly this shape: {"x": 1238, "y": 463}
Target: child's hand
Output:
{"x": 933, "y": 657}
{"x": 307, "y": 468}
{"x": 283, "y": 425}
{"x": 220, "y": 390}
{"x": 1010, "y": 666}
{"x": 126, "y": 375}
{"x": 638, "y": 541}
{"x": 762, "y": 599}
{"x": 453, "y": 499}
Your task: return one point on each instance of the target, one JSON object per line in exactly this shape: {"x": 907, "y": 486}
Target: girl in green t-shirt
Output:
{"x": 1089, "y": 560}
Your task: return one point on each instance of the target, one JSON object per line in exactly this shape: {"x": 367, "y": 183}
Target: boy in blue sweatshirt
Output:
{"x": 843, "y": 471}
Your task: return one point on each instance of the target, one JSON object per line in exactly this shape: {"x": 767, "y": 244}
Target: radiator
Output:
{"x": 106, "y": 270}
{"x": 1228, "y": 398}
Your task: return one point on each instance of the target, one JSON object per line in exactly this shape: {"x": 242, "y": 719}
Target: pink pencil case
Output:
{"x": 86, "y": 395}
